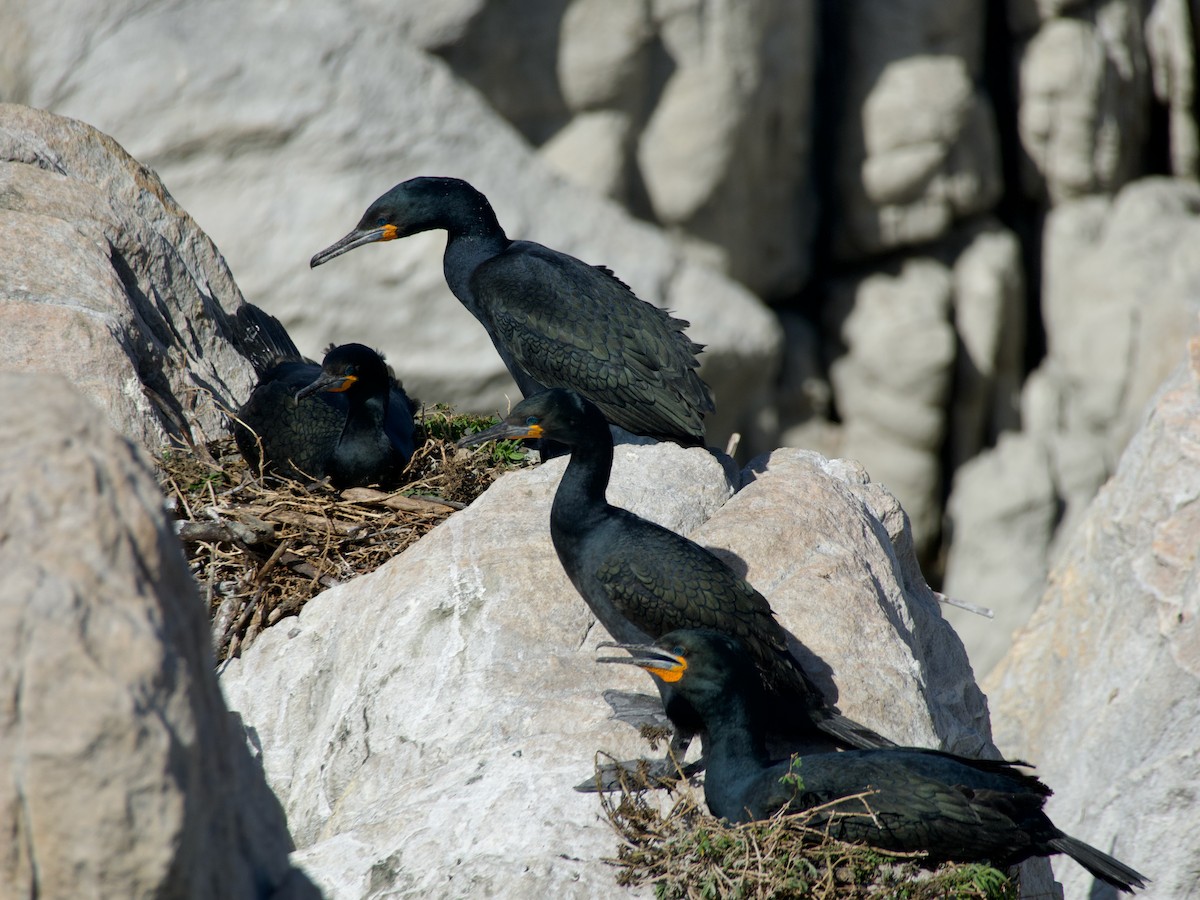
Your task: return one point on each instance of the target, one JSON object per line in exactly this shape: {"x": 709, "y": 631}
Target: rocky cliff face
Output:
{"x": 422, "y": 726}
{"x": 948, "y": 206}
{"x": 123, "y": 772}
{"x": 878, "y": 172}
{"x": 1102, "y": 686}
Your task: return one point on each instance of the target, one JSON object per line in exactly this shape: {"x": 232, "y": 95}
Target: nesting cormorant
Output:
{"x": 642, "y": 580}
{"x": 555, "y": 320}
{"x": 347, "y": 419}
{"x": 950, "y": 807}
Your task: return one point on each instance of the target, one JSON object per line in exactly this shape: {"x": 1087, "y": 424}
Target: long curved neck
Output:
{"x": 473, "y": 237}
{"x": 735, "y": 755}
{"x": 474, "y": 219}
{"x": 580, "y": 498}
{"x": 738, "y": 733}
{"x": 368, "y": 409}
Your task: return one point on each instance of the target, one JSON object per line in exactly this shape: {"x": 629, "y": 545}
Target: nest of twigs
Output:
{"x": 261, "y": 546}
{"x": 686, "y": 853}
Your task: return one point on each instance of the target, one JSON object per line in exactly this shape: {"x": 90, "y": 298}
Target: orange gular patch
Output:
{"x": 672, "y": 674}
{"x": 346, "y": 384}
{"x": 390, "y": 233}
{"x": 535, "y": 431}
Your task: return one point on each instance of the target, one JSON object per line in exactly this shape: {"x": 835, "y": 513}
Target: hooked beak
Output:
{"x": 335, "y": 384}
{"x": 504, "y": 431}
{"x": 356, "y": 238}
{"x": 653, "y": 659}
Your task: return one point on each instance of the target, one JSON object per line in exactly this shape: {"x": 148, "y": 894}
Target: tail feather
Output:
{"x": 1100, "y": 864}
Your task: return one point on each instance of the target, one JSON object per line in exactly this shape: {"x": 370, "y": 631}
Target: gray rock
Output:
{"x": 1102, "y": 687}
{"x": 894, "y": 379}
{"x": 592, "y": 150}
{"x": 1084, "y": 95}
{"x": 1121, "y": 284}
{"x": 106, "y": 281}
{"x": 1171, "y": 48}
{"x": 1119, "y": 292}
{"x": 123, "y": 773}
{"x": 832, "y": 552}
{"x": 602, "y": 58}
{"x": 916, "y": 144}
{"x": 740, "y": 72}
{"x": 280, "y": 124}
{"x": 1002, "y": 513}
{"x": 989, "y": 320}
{"x": 423, "y": 725}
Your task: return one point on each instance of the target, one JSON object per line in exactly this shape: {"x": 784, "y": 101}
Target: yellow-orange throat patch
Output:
{"x": 672, "y": 674}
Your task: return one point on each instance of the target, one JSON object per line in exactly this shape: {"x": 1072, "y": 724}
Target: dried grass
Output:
{"x": 686, "y": 853}
{"x": 261, "y": 546}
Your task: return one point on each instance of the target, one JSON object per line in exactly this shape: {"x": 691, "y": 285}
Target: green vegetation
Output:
{"x": 686, "y": 853}
{"x": 443, "y": 423}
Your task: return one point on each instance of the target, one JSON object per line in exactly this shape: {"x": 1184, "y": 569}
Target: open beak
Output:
{"x": 653, "y": 659}
{"x": 356, "y": 238}
{"x": 335, "y": 384}
{"x": 504, "y": 431}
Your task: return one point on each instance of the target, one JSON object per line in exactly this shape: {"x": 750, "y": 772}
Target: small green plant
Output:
{"x": 443, "y": 423}
{"x": 792, "y": 778}
{"x": 686, "y": 853}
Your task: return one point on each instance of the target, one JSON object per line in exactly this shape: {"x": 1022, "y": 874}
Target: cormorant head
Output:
{"x": 349, "y": 367}
{"x": 416, "y": 205}
{"x": 703, "y": 666}
{"x": 557, "y": 414}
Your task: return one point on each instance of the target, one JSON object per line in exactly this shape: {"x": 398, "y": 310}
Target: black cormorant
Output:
{"x": 642, "y": 580}
{"x": 347, "y": 419}
{"x": 555, "y": 321}
{"x": 950, "y": 807}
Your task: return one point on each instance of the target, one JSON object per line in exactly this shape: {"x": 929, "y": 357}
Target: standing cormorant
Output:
{"x": 347, "y": 419}
{"x": 642, "y": 580}
{"x": 929, "y": 801}
{"x": 555, "y": 320}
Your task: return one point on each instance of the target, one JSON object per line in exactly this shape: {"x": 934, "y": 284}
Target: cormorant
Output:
{"x": 642, "y": 580}
{"x": 347, "y": 418}
{"x": 555, "y": 320}
{"x": 950, "y": 807}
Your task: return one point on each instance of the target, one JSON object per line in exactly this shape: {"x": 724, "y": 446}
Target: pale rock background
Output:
{"x": 971, "y": 222}
{"x": 419, "y": 728}
{"x": 1102, "y": 686}
{"x": 902, "y": 163}
{"x": 906, "y": 185}
{"x": 122, "y": 772}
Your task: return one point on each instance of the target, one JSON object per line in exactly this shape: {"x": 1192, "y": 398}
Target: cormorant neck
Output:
{"x": 738, "y": 733}
{"x": 735, "y": 756}
{"x": 368, "y": 408}
{"x": 469, "y": 215}
{"x": 466, "y": 250}
{"x": 735, "y": 753}
{"x": 580, "y": 497}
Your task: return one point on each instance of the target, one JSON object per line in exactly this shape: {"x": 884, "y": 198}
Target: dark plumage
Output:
{"x": 950, "y": 807}
{"x": 642, "y": 580}
{"x": 555, "y": 321}
{"x": 347, "y": 419}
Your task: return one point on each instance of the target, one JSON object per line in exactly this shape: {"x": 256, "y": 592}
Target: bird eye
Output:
{"x": 678, "y": 651}
{"x": 381, "y": 221}
{"x": 349, "y": 370}
{"x": 532, "y": 420}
